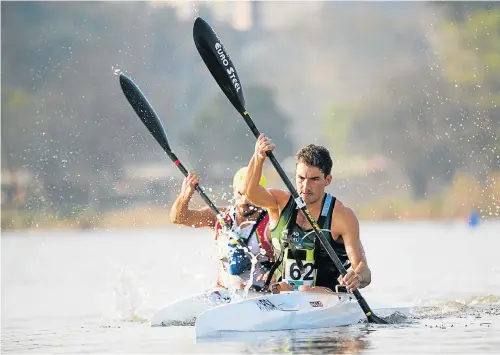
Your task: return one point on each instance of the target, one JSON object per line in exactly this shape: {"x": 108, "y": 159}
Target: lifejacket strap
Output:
{"x": 273, "y": 269}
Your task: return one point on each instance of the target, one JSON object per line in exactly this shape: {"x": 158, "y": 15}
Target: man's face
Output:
{"x": 311, "y": 182}
{"x": 243, "y": 206}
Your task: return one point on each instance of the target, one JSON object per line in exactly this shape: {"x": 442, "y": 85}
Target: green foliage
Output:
{"x": 63, "y": 114}
{"x": 442, "y": 114}
{"x": 460, "y": 10}
{"x": 65, "y": 119}
{"x": 470, "y": 51}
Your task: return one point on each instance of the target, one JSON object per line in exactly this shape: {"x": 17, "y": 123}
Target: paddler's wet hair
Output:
{"x": 317, "y": 156}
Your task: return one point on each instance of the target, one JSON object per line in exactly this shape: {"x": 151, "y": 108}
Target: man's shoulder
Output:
{"x": 281, "y": 196}
{"x": 344, "y": 212}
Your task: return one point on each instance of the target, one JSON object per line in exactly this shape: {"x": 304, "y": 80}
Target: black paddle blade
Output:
{"x": 372, "y": 318}
{"x": 144, "y": 110}
{"x": 376, "y": 319}
{"x": 218, "y": 62}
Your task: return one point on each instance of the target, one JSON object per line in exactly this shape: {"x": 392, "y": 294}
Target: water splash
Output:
{"x": 228, "y": 237}
{"x": 129, "y": 297}
{"x": 195, "y": 10}
{"x": 116, "y": 71}
{"x": 249, "y": 284}
{"x": 472, "y": 307}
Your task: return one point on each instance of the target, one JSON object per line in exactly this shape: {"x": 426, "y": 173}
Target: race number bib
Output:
{"x": 293, "y": 276}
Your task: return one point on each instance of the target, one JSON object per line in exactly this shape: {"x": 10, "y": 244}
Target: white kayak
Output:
{"x": 283, "y": 311}
{"x": 186, "y": 310}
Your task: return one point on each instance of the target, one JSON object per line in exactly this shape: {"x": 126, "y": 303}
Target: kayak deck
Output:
{"x": 186, "y": 310}
{"x": 283, "y": 311}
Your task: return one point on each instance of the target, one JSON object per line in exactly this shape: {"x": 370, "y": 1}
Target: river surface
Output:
{"x": 95, "y": 291}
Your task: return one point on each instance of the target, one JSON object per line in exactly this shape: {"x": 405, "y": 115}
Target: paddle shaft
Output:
{"x": 364, "y": 306}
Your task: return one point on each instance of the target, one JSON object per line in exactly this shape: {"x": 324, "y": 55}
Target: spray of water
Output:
{"x": 128, "y": 296}
{"x": 195, "y": 10}
{"x": 116, "y": 71}
{"x": 231, "y": 236}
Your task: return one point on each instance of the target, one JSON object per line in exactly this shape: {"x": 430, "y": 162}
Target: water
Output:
{"x": 94, "y": 291}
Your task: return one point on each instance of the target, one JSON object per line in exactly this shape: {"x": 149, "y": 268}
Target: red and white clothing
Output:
{"x": 258, "y": 244}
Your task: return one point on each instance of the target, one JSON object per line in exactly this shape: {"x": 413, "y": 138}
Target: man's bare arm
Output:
{"x": 180, "y": 212}
{"x": 347, "y": 225}
{"x": 197, "y": 218}
{"x": 257, "y": 194}
{"x": 271, "y": 199}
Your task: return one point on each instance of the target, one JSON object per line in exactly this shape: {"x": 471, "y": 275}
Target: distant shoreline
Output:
{"x": 159, "y": 217}
{"x": 452, "y": 204}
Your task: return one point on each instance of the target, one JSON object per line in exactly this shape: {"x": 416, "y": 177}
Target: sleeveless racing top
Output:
{"x": 296, "y": 243}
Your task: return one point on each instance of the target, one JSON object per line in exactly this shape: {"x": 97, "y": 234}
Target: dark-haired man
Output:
{"x": 293, "y": 236}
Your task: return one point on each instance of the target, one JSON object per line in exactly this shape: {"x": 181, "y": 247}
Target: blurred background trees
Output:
{"x": 405, "y": 95}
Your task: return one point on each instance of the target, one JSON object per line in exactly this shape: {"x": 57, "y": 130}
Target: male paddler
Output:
{"x": 249, "y": 223}
{"x": 292, "y": 235}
